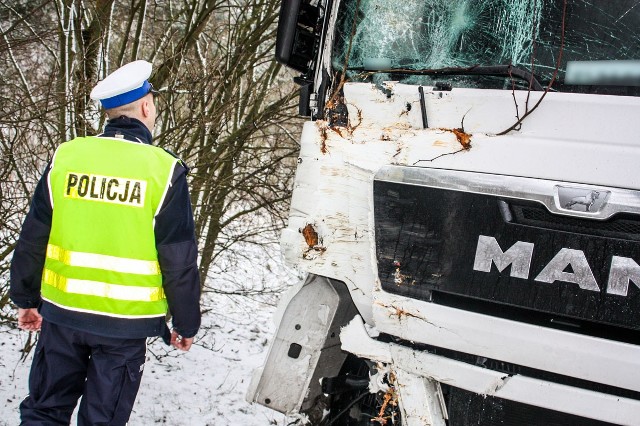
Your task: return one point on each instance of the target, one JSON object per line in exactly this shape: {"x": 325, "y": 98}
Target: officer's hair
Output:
{"x": 129, "y": 110}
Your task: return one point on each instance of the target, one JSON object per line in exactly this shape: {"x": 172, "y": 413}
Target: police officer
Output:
{"x": 105, "y": 251}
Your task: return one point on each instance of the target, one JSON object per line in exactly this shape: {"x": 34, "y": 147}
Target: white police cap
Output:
{"x": 125, "y": 85}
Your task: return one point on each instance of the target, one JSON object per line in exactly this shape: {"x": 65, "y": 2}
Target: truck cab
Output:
{"x": 466, "y": 209}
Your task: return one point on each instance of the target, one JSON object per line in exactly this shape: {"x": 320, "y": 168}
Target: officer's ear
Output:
{"x": 145, "y": 106}
{"x": 148, "y": 111}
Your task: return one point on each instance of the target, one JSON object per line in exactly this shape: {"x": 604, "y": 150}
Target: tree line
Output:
{"x": 225, "y": 106}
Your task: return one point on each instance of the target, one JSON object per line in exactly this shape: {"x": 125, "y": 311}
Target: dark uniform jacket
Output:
{"x": 177, "y": 256}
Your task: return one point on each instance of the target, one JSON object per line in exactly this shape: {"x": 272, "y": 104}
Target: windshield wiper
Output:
{"x": 491, "y": 70}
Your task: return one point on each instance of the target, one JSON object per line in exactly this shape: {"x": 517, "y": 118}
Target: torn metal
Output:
{"x": 411, "y": 365}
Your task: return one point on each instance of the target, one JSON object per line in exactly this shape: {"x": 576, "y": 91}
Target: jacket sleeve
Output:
{"x": 30, "y": 252}
{"x": 178, "y": 255}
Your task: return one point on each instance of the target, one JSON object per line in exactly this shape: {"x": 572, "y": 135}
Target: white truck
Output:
{"x": 467, "y": 210}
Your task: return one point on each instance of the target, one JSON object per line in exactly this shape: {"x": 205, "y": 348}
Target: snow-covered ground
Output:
{"x": 205, "y": 386}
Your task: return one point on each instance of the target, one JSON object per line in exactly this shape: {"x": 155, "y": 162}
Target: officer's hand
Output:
{"x": 179, "y": 342}
{"x": 29, "y": 319}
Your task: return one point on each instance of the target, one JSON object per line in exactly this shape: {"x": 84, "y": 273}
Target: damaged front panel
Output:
{"x": 331, "y": 225}
{"x": 306, "y": 349}
{"x": 478, "y": 395}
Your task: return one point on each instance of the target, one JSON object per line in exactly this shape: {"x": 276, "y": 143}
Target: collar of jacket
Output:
{"x": 131, "y": 128}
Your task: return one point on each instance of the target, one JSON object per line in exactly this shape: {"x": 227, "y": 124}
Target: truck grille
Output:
{"x": 426, "y": 242}
{"x": 621, "y": 226}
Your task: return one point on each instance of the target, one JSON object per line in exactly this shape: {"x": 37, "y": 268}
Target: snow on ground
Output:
{"x": 205, "y": 386}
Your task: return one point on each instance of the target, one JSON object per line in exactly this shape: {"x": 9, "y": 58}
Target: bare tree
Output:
{"x": 224, "y": 104}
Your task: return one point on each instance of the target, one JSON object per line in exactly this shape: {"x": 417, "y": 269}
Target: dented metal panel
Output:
{"x": 333, "y": 186}
{"x": 306, "y": 348}
{"x": 417, "y": 390}
{"x": 482, "y": 381}
{"x": 589, "y": 358}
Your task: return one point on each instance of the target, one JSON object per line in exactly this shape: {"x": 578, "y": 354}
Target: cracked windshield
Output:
{"x": 493, "y": 44}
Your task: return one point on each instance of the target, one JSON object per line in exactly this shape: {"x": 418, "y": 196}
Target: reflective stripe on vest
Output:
{"x": 101, "y": 261}
{"x": 100, "y": 289}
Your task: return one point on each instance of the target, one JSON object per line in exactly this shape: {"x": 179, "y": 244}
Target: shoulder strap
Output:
{"x": 182, "y": 163}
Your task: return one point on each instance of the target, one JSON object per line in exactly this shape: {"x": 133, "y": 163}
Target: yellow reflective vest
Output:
{"x": 101, "y": 256}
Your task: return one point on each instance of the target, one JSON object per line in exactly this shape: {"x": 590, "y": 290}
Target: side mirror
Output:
{"x": 298, "y": 35}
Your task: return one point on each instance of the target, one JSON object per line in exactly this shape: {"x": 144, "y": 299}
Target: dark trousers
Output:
{"x": 68, "y": 364}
